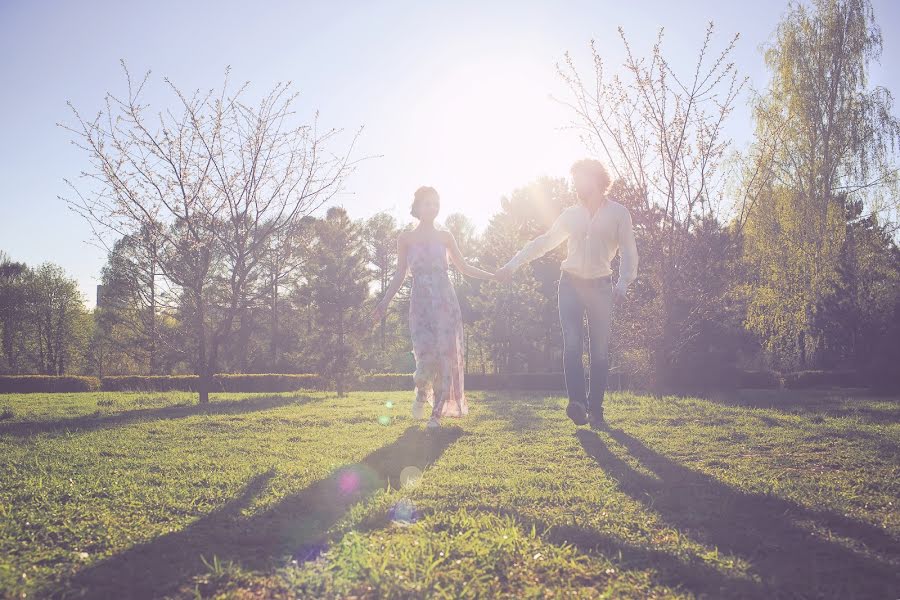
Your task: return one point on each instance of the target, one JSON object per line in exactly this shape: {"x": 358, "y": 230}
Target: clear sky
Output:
{"x": 454, "y": 95}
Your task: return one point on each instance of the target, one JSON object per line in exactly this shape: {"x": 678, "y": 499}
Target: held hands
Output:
{"x": 504, "y": 275}
{"x": 378, "y": 312}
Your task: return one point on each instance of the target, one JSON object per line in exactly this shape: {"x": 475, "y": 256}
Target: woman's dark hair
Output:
{"x": 420, "y": 195}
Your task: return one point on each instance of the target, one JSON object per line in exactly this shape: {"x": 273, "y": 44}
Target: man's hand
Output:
{"x": 619, "y": 295}
{"x": 504, "y": 275}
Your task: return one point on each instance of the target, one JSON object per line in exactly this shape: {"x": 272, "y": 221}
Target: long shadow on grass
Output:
{"x": 297, "y": 527}
{"x": 521, "y": 414}
{"x": 695, "y": 576}
{"x": 822, "y": 403}
{"x": 178, "y": 411}
{"x": 764, "y": 530}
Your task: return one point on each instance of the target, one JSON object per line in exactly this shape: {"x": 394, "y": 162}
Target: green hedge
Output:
{"x": 222, "y": 382}
{"x": 154, "y": 383}
{"x": 47, "y": 384}
{"x": 387, "y": 382}
{"x": 269, "y": 382}
{"x": 815, "y": 379}
{"x": 516, "y": 381}
{"x": 274, "y": 382}
{"x": 759, "y": 380}
{"x": 383, "y": 382}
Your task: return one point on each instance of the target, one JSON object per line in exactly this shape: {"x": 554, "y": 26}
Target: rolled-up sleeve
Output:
{"x": 628, "y": 253}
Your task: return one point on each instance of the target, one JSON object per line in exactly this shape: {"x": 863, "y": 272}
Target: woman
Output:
{"x": 435, "y": 323}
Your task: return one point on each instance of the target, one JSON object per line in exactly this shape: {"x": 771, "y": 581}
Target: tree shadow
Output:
{"x": 835, "y": 404}
{"x": 762, "y": 529}
{"x": 694, "y": 575}
{"x": 296, "y": 527}
{"x": 177, "y": 411}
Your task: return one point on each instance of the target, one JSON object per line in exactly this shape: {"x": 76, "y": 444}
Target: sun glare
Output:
{"x": 491, "y": 126}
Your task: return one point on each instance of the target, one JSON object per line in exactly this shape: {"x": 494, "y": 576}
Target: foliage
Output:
{"x": 825, "y": 143}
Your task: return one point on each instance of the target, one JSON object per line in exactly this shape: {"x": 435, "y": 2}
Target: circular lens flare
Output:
{"x": 410, "y": 476}
{"x": 348, "y": 482}
{"x": 404, "y": 512}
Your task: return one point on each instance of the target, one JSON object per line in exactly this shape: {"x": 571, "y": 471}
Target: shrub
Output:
{"x": 813, "y": 379}
{"x": 759, "y": 380}
{"x": 47, "y": 384}
{"x": 150, "y": 383}
{"x": 222, "y": 382}
{"x": 266, "y": 382}
{"x": 387, "y": 382}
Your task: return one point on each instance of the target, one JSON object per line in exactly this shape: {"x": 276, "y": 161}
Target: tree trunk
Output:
{"x": 202, "y": 358}
{"x": 273, "y": 341}
{"x": 152, "y": 358}
{"x": 340, "y": 361}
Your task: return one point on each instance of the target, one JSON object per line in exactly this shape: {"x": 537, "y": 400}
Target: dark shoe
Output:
{"x": 597, "y": 421}
{"x": 576, "y": 412}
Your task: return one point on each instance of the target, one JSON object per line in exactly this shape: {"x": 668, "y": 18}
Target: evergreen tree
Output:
{"x": 339, "y": 288}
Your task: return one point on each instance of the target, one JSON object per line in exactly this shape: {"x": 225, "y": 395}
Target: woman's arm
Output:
{"x": 460, "y": 262}
{"x": 396, "y": 281}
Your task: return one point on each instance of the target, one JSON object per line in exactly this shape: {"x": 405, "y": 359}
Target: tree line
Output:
{"x": 782, "y": 257}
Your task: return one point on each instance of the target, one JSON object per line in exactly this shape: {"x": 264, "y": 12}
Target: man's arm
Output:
{"x": 537, "y": 247}
{"x": 628, "y": 263}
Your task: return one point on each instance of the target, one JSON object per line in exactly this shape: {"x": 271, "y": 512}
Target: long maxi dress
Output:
{"x": 435, "y": 325}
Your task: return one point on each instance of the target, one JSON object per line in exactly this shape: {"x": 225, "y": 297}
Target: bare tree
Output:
{"x": 218, "y": 179}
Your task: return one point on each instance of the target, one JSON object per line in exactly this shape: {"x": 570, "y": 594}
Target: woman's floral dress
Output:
{"x": 435, "y": 324}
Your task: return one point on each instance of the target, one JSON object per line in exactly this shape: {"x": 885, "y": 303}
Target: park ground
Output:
{"x": 755, "y": 494}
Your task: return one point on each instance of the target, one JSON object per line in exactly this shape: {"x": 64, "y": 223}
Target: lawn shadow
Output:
{"x": 835, "y": 404}
{"x": 296, "y": 527}
{"x": 520, "y": 411}
{"x": 671, "y": 571}
{"x": 764, "y": 530}
{"x": 128, "y": 417}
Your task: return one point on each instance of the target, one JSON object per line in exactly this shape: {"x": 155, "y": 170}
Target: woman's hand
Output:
{"x": 504, "y": 275}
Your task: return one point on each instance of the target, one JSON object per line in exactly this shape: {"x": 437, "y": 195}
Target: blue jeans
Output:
{"x": 578, "y": 297}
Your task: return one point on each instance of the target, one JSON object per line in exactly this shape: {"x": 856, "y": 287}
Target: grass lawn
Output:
{"x": 761, "y": 495}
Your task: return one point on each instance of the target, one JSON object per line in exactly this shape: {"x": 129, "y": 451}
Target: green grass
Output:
{"x": 760, "y": 495}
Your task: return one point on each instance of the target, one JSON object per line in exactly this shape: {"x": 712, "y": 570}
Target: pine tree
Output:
{"x": 338, "y": 284}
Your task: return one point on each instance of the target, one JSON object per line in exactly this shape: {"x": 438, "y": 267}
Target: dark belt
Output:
{"x": 586, "y": 280}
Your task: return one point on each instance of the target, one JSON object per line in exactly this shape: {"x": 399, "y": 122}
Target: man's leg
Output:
{"x": 571, "y": 318}
{"x": 599, "y": 310}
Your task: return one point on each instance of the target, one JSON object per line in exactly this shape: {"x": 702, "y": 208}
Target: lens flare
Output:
{"x": 348, "y": 481}
{"x": 389, "y": 404}
{"x": 410, "y": 476}
{"x": 404, "y": 512}
{"x": 384, "y": 420}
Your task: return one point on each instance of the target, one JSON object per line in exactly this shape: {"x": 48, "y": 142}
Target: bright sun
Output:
{"x": 492, "y": 127}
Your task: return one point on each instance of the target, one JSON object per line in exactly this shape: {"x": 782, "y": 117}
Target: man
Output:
{"x": 595, "y": 229}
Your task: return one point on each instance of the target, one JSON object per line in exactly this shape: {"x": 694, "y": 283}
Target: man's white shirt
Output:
{"x": 593, "y": 243}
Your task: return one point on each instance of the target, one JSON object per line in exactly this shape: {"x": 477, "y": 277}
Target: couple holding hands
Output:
{"x": 595, "y": 229}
